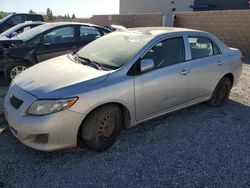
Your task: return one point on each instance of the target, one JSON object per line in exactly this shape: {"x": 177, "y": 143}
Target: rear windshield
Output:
{"x": 114, "y": 50}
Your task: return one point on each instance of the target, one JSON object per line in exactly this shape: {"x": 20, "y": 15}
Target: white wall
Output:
{"x": 149, "y": 6}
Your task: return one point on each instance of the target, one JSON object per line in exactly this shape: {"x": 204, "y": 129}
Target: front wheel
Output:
{"x": 14, "y": 70}
{"x": 221, "y": 93}
{"x": 101, "y": 127}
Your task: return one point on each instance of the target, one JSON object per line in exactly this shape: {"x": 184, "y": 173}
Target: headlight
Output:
{"x": 43, "y": 107}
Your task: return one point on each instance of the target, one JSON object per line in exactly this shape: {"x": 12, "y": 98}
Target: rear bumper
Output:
{"x": 47, "y": 133}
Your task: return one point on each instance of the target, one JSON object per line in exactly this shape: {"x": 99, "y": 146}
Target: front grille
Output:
{"x": 15, "y": 102}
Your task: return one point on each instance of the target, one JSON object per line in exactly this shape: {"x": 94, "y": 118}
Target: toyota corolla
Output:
{"x": 116, "y": 82}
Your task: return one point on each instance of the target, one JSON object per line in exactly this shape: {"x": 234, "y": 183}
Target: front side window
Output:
{"x": 202, "y": 47}
{"x": 61, "y": 35}
{"x": 167, "y": 52}
{"x": 89, "y": 33}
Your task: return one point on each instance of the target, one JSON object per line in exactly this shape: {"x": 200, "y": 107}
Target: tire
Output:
{"x": 15, "y": 69}
{"x": 221, "y": 93}
{"x": 101, "y": 127}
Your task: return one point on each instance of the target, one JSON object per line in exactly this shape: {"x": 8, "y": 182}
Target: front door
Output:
{"x": 167, "y": 85}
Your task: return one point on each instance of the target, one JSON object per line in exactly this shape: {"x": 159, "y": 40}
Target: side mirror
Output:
{"x": 146, "y": 65}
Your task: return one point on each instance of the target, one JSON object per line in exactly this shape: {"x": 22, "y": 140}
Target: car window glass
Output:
{"x": 167, "y": 52}
{"x": 31, "y": 17}
{"x": 115, "y": 49}
{"x": 15, "y": 20}
{"x": 23, "y": 29}
{"x": 202, "y": 47}
{"x": 26, "y": 28}
{"x": 215, "y": 49}
{"x": 61, "y": 35}
{"x": 104, "y": 31}
{"x": 89, "y": 33}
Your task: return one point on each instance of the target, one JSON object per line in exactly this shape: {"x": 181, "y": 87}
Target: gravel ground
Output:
{"x": 195, "y": 147}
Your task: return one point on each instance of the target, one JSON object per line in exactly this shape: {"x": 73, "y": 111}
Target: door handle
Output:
{"x": 184, "y": 72}
{"x": 219, "y": 63}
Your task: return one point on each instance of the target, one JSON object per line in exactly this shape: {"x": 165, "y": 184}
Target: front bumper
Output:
{"x": 47, "y": 133}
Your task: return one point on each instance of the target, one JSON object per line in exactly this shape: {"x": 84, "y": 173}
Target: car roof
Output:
{"x": 31, "y": 23}
{"x": 14, "y": 13}
{"x": 157, "y": 31}
{"x": 55, "y": 24}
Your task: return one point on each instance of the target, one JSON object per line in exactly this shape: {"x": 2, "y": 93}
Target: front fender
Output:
{"x": 20, "y": 54}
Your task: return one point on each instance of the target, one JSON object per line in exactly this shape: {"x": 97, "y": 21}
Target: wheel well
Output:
{"x": 125, "y": 113}
{"x": 230, "y": 77}
{"x": 125, "y": 116}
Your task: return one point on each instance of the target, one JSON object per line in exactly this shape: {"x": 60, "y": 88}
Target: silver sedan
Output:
{"x": 116, "y": 82}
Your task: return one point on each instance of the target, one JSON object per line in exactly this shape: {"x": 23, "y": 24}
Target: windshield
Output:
{"x": 25, "y": 36}
{"x": 114, "y": 50}
{"x": 5, "y": 18}
{"x": 12, "y": 29}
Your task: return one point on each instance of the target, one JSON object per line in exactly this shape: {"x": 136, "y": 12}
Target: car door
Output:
{"x": 166, "y": 86}
{"x": 206, "y": 67}
{"x": 56, "y": 42}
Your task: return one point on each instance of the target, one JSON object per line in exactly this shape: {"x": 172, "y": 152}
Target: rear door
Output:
{"x": 166, "y": 86}
{"x": 87, "y": 34}
{"x": 206, "y": 66}
{"x": 56, "y": 42}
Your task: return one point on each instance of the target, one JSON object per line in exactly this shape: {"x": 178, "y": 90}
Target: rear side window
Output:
{"x": 34, "y": 18}
{"x": 89, "y": 33}
{"x": 167, "y": 52}
{"x": 202, "y": 47}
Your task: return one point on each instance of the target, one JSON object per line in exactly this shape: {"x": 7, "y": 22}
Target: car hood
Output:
{"x": 5, "y": 40}
{"x": 59, "y": 77}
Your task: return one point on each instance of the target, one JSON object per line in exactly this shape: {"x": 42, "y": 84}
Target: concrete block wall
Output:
{"x": 231, "y": 26}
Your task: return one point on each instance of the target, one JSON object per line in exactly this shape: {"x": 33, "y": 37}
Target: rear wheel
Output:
{"x": 101, "y": 127}
{"x": 14, "y": 70}
{"x": 221, "y": 93}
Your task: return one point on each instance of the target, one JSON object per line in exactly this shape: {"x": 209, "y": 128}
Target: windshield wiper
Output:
{"x": 89, "y": 62}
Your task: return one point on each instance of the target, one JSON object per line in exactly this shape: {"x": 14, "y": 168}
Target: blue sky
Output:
{"x": 81, "y": 8}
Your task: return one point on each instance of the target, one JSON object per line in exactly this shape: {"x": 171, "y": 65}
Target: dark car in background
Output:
{"x": 20, "y": 28}
{"x": 44, "y": 42}
{"x": 17, "y": 18}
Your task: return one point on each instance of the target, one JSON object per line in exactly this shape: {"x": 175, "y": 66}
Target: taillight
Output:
{"x": 243, "y": 59}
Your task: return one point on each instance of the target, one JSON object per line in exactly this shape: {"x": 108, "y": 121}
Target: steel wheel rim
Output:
{"x": 107, "y": 128}
{"x": 16, "y": 70}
